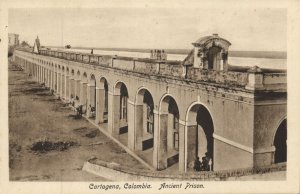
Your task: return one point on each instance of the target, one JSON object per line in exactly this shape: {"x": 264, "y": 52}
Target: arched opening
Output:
{"x": 72, "y": 85}
{"x": 91, "y": 91}
{"x": 77, "y": 88}
{"x": 105, "y": 101}
{"x": 144, "y": 124}
{"x": 67, "y": 89}
{"x": 169, "y": 132}
{"x": 280, "y": 154}
{"x": 102, "y": 102}
{"x": 83, "y": 93}
{"x": 120, "y": 103}
{"x": 55, "y": 81}
{"x": 200, "y": 144}
{"x": 214, "y": 57}
{"x": 63, "y": 82}
{"x": 123, "y": 109}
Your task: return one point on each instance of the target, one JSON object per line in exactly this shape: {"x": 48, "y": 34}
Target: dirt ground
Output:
{"x": 46, "y": 142}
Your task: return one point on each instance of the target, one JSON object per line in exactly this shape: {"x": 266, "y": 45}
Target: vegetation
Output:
{"x": 24, "y": 44}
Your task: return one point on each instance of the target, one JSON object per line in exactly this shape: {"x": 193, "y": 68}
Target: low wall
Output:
{"x": 223, "y": 77}
{"x": 116, "y": 172}
{"x": 238, "y": 78}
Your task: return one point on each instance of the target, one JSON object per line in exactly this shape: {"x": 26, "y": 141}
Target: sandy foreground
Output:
{"x": 46, "y": 142}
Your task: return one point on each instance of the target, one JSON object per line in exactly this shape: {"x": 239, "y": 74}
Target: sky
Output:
{"x": 258, "y": 29}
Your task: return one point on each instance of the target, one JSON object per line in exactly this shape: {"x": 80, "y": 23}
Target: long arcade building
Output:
{"x": 170, "y": 112}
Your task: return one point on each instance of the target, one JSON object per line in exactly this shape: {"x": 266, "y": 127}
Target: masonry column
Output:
{"x": 67, "y": 87}
{"x": 113, "y": 113}
{"x": 71, "y": 87}
{"x": 83, "y": 99}
{"x": 58, "y": 83}
{"x": 46, "y": 77}
{"x": 63, "y": 83}
{"x": 100, "y": 104}
{"x": 139, "y": 126}
{"x": 49, "y": 78}
{"x": 38, "y": 73}
{"x": 43, "y": 74}
{"x": 191, "y": 144}
{"x": 132, "y": 122}
{"x": 77, "y": 88}
{"x": 90, "y": 98}
{"x": 160, "y": 140}
{"x": 182, "y": 146}
{"x": 35, "y": 72}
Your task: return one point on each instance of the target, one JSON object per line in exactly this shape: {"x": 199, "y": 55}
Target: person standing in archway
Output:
{"x": 197, "y": 164}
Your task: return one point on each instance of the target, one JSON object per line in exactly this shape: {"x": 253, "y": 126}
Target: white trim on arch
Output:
{"x": 185, "y": 128}
{"x": 137, "y": 92}
{"x": 163, "y": 97}
{"x": 276, "y": 128}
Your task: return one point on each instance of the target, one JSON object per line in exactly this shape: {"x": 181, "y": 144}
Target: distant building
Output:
{"x": 13, "y": 39}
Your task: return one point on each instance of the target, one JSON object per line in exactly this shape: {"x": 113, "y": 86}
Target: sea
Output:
{"x": 236, "y": 61}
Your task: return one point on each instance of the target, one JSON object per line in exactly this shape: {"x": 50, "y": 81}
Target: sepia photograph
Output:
{"x": 176, "y": 95}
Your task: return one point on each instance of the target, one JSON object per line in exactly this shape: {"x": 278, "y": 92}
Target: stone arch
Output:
{"x": 102, "y": 100}
{"x": 72, "y": 84}
{"x": 169, "y": 131}
{"x": 121, "y": 89}
{"x": 144, "y": 117}
{"x": 118, "y": 86}
{"x": 139, "y": 94}
{"x": 90, "y": 88}
{"x": 77, "y": 86}
{"x": 120, "y": 115}
{"x": 102, "y": 82}
{"x": 83, "y": 93}
{"x": 280, "y": 138}
{"x": 200, "y": 129}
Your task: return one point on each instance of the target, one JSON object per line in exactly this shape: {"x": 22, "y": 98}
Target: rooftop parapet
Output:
{"x": 247, "y": 78}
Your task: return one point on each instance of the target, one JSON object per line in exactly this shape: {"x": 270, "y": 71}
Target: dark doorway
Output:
{"x": 280, "y": 143}
{"x": 213, "y": 59}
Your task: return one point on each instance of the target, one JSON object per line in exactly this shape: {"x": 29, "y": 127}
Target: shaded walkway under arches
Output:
{"x": 200, "y": 142}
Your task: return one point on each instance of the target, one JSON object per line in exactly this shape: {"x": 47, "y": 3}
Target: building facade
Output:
{"x": 171, "y": 112}
{"x": 13, "y": 39}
